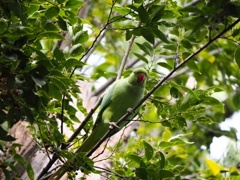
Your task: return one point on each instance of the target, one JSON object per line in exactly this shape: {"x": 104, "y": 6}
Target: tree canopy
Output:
{"x": 190, "y": 49}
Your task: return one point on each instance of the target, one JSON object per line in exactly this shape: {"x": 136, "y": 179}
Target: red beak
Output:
{"x": 141, "y": 78}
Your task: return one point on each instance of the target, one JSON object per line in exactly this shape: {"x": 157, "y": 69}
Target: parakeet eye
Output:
{"x": 141, "y": 77}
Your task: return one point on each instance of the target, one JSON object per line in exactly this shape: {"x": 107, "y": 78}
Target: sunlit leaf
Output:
{"x": 204, "y": 120}
{"x": 148, "y": 150}
{"x": 237, "y": 56}
{"x": 76, "y": 50}
{"x": 74, "y": 4}
{"x": 30, "y": 171}
{"x": 213, "y": 167}
{"x": 141, "y": 57}
{"x": 52, "y": 12}
{"x": 186, "y": 43}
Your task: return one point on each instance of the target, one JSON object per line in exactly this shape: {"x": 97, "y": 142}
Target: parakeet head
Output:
{"x": 138, "y": 77}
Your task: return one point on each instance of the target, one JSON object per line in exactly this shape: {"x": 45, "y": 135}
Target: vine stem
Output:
{"x": 123, "y": 118}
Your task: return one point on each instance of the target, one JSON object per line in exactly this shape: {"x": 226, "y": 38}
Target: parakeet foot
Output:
{"x": 130, "y": 110}
{"x": 112, "y": 125}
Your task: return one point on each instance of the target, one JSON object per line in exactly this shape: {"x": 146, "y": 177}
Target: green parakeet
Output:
{"x": 122, "y": 95}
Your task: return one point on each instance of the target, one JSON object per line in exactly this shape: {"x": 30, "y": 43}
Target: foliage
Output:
{"x": 38, "y": 79}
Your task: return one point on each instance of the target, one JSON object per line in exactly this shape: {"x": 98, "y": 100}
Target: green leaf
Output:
{"x": 193, "y": 66}
{"x": 143, "y": 14}
{"x": 61, "y": 1}
{"x": 80, "y": 37}
{"x": 142, "y": 164}
{"x": 173, "y": 142}
{"x": 193, "y": 9}
{"x": 3, "y": 26}
{"x": 169, "y": 14}
{"x": 145, "y": 49}
{"x": 175, "y": 93}
{"x": 71, "y": 17}
{"x": 141, "y": 173}
{"x": 32, "y": 8}
{"x": 165, "y": 173}
{"x": 76, "y": 50}
{"x": 186, "y": 43}
{"x": 54, "y": 91}
{"x": 52, "y": 12}
{"x": 237, "y": 56}
{"x": 204, "y": 120}
{"x": 29, "y": 114}
{"x": 58, "y": 55}
{"x": 30, "y": 171}
{"x": 146, "y": 33}
{"x": 157, "y": 14}
{"x": 178, "y": 168}
{"x": 50, "y": 35}
{"x": 134, "y": 157}
{"x": 121, "y": 10}
{"x": 141, "y": 57}
{"x": 214, "y": 89}
{"x": 38, "y": 79}
{"x": 59, "y": 84}
{"x": 6, "y": 174}
{"x": 110, "y": 74}
{"x": 148, "y": 150}
{"x": 160, "y": 35}
{"x": 74, "y": 4}
{"x": 72, "y": 62}
{"x": 162, "y": 160}
{"x": 51, "y": 27}
{"x": 4, "y": 135}
{"x": 165, "y": 65}
{"x": 189, "y": 91}
{"x": 235, "y": 32}
{"x": 128, "y": 35}
{"x": 174, "y": 31}
{"x": 138, "y": 1}
{"x": 20, "y": 159}
{"x": 152, "y": 174}
{"x": 172, "y": 47}
{"x": 77, "y": 27}
{"x": 214, "y": 103}
{"x": 62, "y": 23}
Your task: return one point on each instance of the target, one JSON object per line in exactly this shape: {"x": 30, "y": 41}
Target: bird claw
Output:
{"x": 112, "y": 125}
{"x": 131, "y": 111}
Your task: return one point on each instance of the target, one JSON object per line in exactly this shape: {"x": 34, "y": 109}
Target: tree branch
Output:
{"x": 124, "y": 60}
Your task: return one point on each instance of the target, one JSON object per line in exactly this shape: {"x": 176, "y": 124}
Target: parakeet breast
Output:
{"x": 125, "y": 96}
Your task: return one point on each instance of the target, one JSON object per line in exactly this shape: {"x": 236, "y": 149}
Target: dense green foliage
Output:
{"x": 38, "y": 79}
